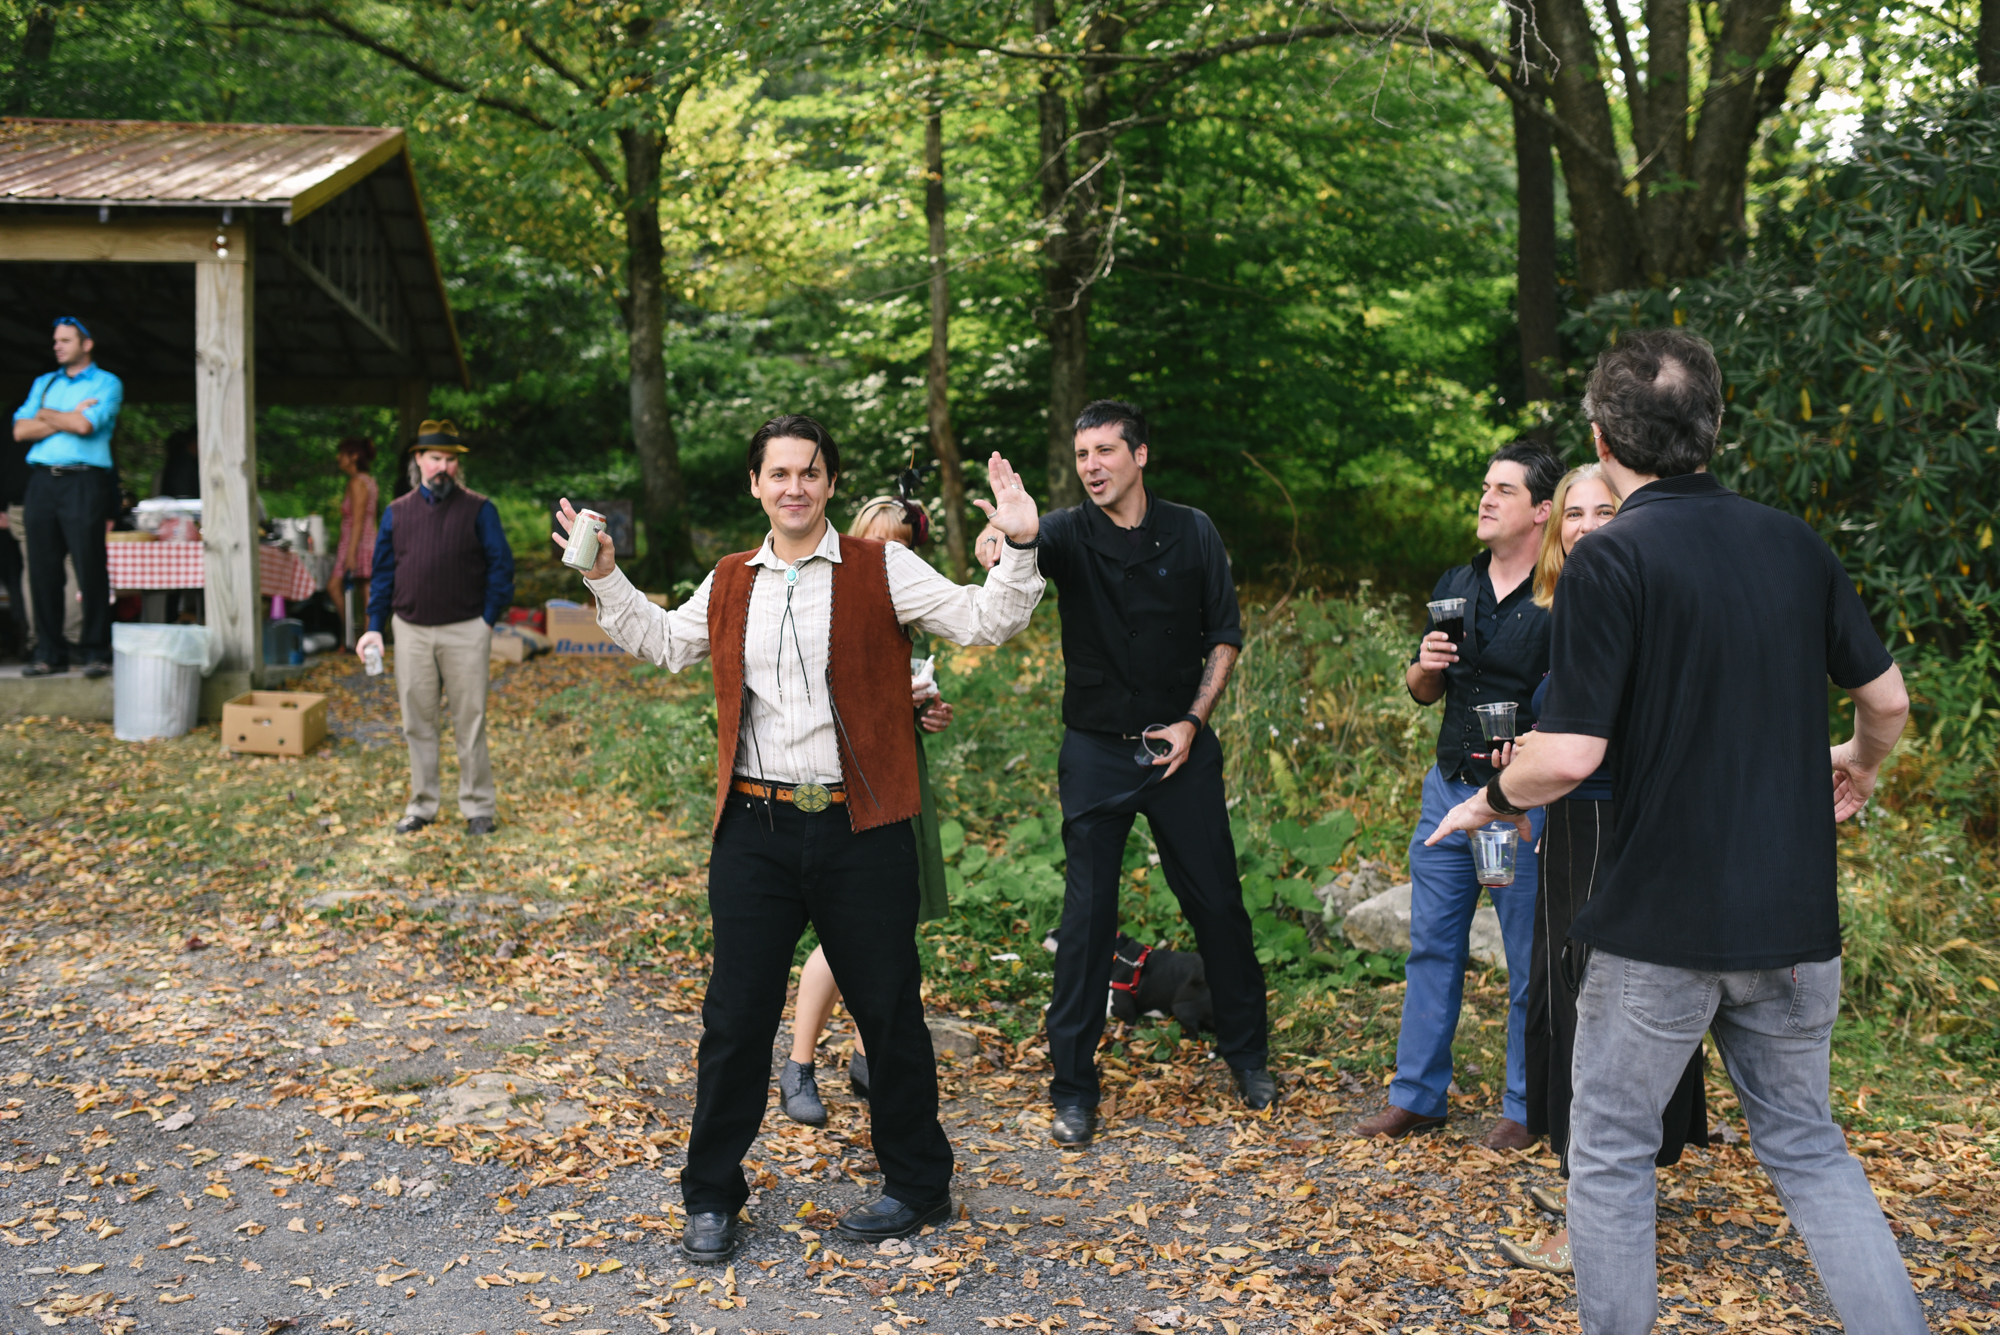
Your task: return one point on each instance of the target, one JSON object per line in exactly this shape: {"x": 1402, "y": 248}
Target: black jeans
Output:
{"x": 1103, "y": 788}
{"x": 774, "y": 869}
{"x": 64, "y": 514}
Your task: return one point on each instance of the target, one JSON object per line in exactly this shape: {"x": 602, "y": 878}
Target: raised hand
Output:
{"x": 607, "y": 553}
{"x": 1011, "y": 510}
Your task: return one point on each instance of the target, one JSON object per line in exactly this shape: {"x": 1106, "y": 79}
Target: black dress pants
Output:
{"x": 64, "y": 514}
{"x": 1103, "y": 788}
{"x": 773, "y": 869}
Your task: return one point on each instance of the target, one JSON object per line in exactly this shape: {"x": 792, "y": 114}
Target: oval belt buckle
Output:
{"x": 811, "y": 797}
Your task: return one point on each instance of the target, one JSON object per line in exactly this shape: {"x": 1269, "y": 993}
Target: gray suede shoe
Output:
{"x": 857, "y": 1074}
{"x": 798, "y": 1094}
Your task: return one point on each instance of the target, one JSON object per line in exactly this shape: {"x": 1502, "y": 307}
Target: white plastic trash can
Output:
{"x": 156, "y": 674}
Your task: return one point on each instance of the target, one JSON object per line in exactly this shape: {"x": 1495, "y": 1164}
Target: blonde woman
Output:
{"x": 1572, "y": 837}
{"x": 884, "y": 519}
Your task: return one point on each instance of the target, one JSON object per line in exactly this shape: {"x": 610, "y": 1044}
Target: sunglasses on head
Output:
{"x": 73, "y": 323}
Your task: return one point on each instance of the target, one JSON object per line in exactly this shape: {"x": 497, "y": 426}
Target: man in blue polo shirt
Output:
{"x": 68, "y": 419}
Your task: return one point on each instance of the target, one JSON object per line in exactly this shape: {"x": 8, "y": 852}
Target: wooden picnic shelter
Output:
{"x": 231, "y": 267}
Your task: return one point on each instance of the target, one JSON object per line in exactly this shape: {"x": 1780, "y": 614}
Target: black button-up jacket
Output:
{"x": 1138, "y": 618}
{"x": 1509, "y": 667}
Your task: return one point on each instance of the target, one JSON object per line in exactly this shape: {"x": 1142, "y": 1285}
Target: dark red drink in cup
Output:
{"x": 1448, "y": 615}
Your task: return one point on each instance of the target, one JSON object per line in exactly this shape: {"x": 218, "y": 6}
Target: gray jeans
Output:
{"x": 1637, "y": 1025}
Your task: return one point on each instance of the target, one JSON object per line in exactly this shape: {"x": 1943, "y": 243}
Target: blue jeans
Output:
{"x": 1443, "y": 894}
{"x": 1636, "y": 1026}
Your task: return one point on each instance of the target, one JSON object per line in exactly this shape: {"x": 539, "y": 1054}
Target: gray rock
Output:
{"x": 952, "y": 1040}
{"x": 1344, "y": 891}
{"x": 1382, "y": 924}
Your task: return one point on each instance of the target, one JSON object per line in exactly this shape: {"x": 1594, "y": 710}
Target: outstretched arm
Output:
{"x": 970, "y": 613}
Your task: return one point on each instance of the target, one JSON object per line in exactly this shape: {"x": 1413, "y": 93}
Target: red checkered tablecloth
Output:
{"x": 177, "y": 565}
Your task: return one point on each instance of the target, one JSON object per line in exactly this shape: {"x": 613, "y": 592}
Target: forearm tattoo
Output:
{"x": 1214, "y": 676}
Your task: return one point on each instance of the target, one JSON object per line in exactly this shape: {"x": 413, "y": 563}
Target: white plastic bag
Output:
{"x": 189, "y": 646}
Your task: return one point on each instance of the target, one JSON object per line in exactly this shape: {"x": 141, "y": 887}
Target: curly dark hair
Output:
{"x": 1657, "y": 396}
{"x": 358, "y": 448}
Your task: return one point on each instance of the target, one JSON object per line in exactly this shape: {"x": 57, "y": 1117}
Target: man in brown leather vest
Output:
{"x": 816, "y": 782}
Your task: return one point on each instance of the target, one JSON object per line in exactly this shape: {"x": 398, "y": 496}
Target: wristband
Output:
{"x": 1498, "y": 800}
{"x": 1191, "y": 718}
{"x": 1024, "y": 546}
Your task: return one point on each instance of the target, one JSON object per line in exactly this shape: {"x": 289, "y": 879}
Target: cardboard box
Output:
{"x": 574, "y": 630}
{"x": 274, "y": 723}
{"x": 517, "y": 644}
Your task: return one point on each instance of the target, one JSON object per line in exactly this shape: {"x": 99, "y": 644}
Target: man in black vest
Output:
{"x": 443, "y": 575}
{"x": 1150, "y": 633}
{"x": 1503, "y": 657}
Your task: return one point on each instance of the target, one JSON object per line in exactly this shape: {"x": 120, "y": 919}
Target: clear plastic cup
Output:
{"x": 1448, "y": 615}
{"x": 1496, "y": 721}
{"x": 1493, "y": 852}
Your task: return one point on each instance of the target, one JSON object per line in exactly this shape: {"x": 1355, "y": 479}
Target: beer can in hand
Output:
{"x": 371, "y": 661}
{"x": 581, "y": 554}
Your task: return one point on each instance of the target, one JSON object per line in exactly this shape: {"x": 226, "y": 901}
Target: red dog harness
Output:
{"x": 1138, "y": 967}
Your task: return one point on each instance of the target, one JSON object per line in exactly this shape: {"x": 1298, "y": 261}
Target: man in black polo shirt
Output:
{"x": 1503, "y": 656}
{"x": 1694, "y": 637}
{"x": 1150, "y": 633}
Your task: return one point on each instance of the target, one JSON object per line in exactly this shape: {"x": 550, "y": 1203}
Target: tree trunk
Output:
{"x": 1607, "y": 234}
{"x": 1064, "y": 282}
{"x": 1719, "y": 156}
{"x": 1988, "y": 42}
{"x": 951, "y": 473}
{"x": 663, "y": 508}
{"x": 1537, "y": 309}
{"x": 38, "y": 43}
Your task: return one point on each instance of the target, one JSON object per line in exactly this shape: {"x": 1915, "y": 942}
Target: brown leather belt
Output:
{"x": 835, "y": 794}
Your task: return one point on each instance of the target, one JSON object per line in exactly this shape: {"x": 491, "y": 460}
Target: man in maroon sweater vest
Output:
{"x": 443, "y": 575}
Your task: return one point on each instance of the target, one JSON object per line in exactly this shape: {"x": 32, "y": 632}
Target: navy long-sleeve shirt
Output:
{"x": 492, "y": 539}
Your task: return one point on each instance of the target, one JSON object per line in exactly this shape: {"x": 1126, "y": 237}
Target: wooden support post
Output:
{"x": 413, "y": 404}
{"x": 226, "y": 420}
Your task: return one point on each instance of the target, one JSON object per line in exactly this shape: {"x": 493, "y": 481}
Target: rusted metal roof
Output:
{"x": 296, "y": 168}
{"x": 350, "y": 301}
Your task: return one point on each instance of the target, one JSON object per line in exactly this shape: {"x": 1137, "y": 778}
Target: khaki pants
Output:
{"x": 17, "y": 524}
{"x": 436, "y": 664}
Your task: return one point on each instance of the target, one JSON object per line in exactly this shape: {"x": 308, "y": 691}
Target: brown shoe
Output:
{"x": 1508, "y": 1134}
{"x": 1395, "y": 1123}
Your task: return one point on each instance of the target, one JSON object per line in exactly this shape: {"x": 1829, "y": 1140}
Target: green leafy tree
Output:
{"x": 605, "y": 85}
{"x": 1861, "y": 344}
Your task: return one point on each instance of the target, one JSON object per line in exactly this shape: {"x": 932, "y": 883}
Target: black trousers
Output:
{"x": 1103, "y": 788}
{"x": 773, "y": 870}
{"x": 1573, "y": 836}
{"x": 64, "y": 514}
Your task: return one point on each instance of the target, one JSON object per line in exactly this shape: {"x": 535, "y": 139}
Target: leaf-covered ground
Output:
{"x": 265, "y": 1065}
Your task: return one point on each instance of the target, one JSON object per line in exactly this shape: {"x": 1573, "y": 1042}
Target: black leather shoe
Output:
{"x": 1074, "y": 1126}
{"x": 710, "y": 1239}
{"x": 42, "y": 670}
{"x": 798, "y": 1094}
{"x": 410, "y": 824}
{"x": 93, "y": 671}
{"x": 1258, "y": 1089}
{"x": 881, "y": 1220}
{"x": 857, "y": 1074}
{"x": 479, "y": 825}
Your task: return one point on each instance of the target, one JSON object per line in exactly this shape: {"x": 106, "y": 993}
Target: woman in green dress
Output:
{"x": 884, "y": 519}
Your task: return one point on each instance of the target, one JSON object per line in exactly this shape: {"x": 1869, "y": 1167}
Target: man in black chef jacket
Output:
{"x": 1150, "y": 633}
